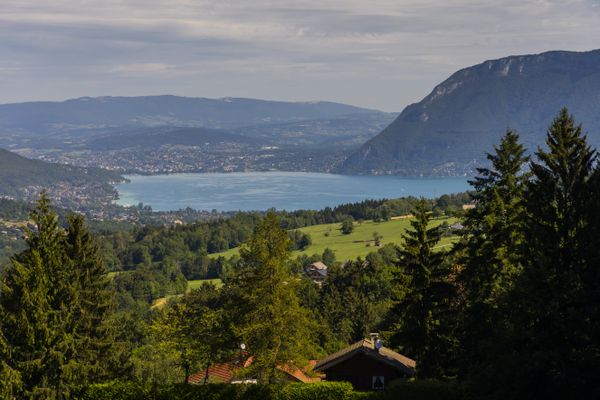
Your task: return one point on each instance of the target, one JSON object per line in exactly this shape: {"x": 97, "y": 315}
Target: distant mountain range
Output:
{"x": 106, "y": 112}
{"x": 166, "y": 134}
{"x": 449, "y": 131}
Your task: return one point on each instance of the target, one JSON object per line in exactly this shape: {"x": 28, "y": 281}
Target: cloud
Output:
{"x": 378, "y": 53}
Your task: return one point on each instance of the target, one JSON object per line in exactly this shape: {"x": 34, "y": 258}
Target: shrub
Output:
{"x": 421, "y": 390}
{"x": 118, "y": 390}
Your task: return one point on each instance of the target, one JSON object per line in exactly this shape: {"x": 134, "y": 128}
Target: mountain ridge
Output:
{"x": 40, "y": 117}
{"x": 450, "y": 129}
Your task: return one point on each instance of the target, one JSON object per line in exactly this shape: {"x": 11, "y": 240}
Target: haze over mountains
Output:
{"x": 449, "y": 130}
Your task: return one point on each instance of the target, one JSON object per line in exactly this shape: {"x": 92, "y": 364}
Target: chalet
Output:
{"x": 367, "y": 365}
{"x": 317, "y": 271}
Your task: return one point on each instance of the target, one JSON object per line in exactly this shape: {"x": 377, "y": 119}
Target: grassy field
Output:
{"x": 195, "y": 284}
{"x": 360, "y": 242}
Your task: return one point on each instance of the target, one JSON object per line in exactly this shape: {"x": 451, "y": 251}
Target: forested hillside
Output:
{"x": 19, "y": 173}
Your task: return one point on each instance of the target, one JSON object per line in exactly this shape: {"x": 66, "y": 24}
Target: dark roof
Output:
{"x": 367, "y": 347}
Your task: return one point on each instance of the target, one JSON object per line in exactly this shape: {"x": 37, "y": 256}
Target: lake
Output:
{"x": 281, "y": 190}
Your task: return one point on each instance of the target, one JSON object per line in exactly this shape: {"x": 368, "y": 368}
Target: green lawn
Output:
{"x": 199, "y": 282}
{"x": 349, "y": 247}
{"x": 195, "y": 284}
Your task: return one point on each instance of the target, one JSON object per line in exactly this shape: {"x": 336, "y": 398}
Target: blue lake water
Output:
{"x": 281, "y": 190}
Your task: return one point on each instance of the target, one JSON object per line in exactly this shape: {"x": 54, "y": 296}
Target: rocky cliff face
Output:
{"x": 449, "y": 131}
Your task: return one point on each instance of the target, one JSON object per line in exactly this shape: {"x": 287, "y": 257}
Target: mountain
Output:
{"x": 156, "y": 137}
{"x": 18, "y": 175}
{"x": 449, "y": 131}
{"x": 105, "y": 112}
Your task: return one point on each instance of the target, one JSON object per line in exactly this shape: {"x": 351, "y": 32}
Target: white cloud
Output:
{"x": 379, "y": 53}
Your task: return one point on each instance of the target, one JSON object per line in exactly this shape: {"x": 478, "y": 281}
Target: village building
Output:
{"x": 367, "y": 365}
{"x": 317, "y": 271}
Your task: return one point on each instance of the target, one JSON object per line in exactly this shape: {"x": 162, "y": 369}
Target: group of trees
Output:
{"x": 55, "y": 304}
{"x": 512, "y": 311}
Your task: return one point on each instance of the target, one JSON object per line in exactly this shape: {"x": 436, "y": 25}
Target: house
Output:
{"x": 367, "y": 365}
{"x": 232, "y": 371}
{"x": 317, "y": 271}
{"x": 457, "y": 227}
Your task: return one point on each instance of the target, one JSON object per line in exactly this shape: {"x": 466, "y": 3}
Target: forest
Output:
{"x": 511, "y": 311}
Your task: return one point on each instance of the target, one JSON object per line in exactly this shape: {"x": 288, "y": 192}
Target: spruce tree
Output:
{"x": 92, "y": 330}
{"x": 10, "y": 379}
{"x": 54, "y": 302}
{"x": 264, "y": 310}
{"x": 491, "y": 251}
{"x": 34, "y": 304}
{"x": 423, "y": 324}
{"x": 547, "y": 347}
{"x": 552, "y": 315}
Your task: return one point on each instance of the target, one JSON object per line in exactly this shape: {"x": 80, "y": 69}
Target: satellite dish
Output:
{"x": 242, "y": 346}
{"x": 378, "y": 344}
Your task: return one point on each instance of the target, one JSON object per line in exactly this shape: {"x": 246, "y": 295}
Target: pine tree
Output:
{"x": 264, "y": 309}
{"x": 491, "y": 251}
{"x": 423, "y": 324}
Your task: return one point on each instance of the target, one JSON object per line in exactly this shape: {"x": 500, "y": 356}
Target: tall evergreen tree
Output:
{"x": 491, "y": 250}
{"x": 54, "y": 302}
{"x": 34, "y": 303}
{"x": 553, "y": 317}
{"x": 265, "y": 310}
{"x": 423, "y": 324}
{"x": 547, "y": 348}
{"x": 93, "y": 306}
{"x": 10, "y": 379}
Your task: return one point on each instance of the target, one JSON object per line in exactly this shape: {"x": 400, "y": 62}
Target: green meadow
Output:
{"x": 360, "y": 242}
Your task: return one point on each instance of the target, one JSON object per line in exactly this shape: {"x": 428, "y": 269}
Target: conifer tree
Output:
{"x": 491, "y": 251}
{"x": 552, "y": 320}
{"x": 265, "y": 311}
{"x": 423, "y": 327}
{"x": 54, "y": 302}
{"x": 92, "y": 330}
{"x": 10, "y": 379}
{"x": 34, "y": 304}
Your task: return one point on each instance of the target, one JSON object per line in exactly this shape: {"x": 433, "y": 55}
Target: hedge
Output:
{"x": 118, "y": 390}
{"x": 411, "y": 390}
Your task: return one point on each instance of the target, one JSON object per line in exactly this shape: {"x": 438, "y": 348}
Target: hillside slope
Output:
{"x": 19, "y": 173}
{"x": 448, "y": 132}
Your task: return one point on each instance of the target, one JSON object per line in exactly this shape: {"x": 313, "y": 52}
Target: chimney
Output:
{"x": 377, "y": 344}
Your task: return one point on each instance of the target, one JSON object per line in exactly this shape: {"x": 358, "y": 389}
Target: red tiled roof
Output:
{"x": 225, "y": 372}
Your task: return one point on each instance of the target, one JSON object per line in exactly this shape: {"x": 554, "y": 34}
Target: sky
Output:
{"x": 382, "y": 54}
